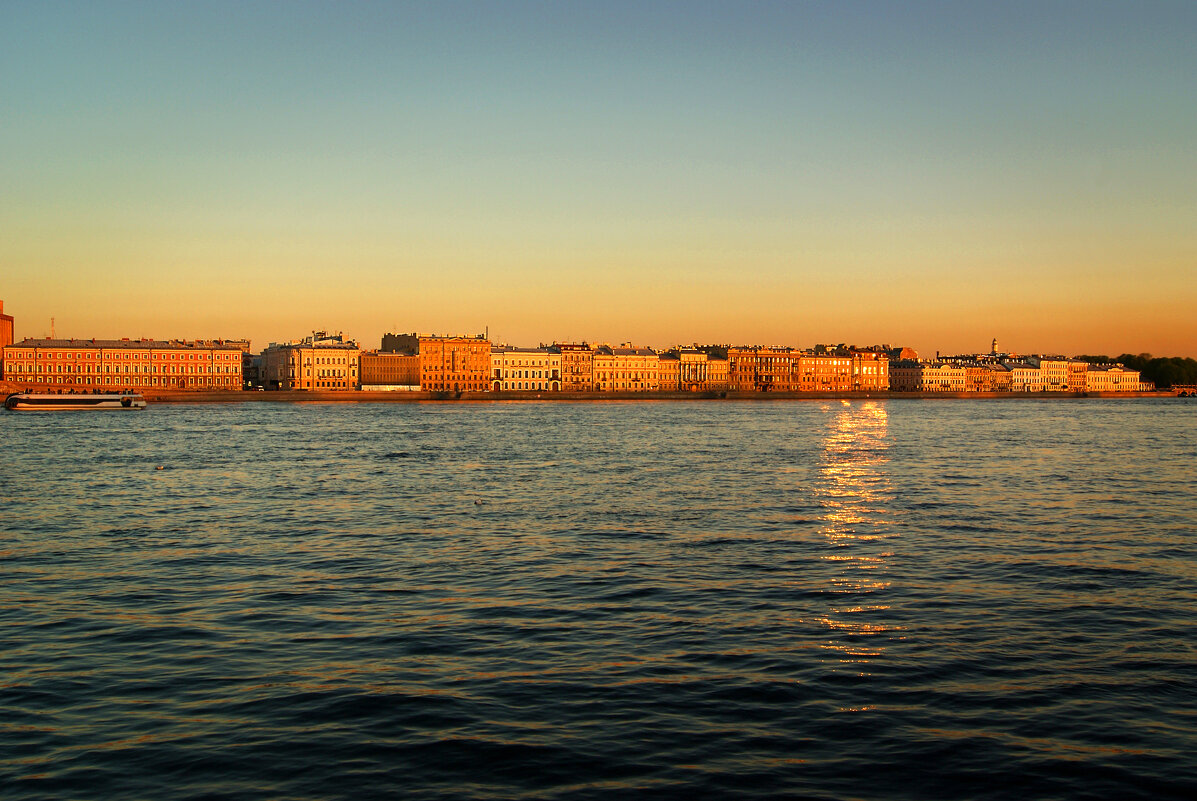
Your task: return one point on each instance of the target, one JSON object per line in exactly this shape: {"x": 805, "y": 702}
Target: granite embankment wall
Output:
{"x": 166, "y": 396}
{"x": 581, "y": 397}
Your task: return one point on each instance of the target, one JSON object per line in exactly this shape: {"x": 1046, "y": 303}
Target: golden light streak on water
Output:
{"x": 853, "y": 489}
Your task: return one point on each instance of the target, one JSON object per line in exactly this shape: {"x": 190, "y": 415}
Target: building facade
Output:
{"x": 392, "y": 371}
{"x": 1075, "y": 377}
{"x": 125, "y": 364}
{"x": 870, "y": 371}
{"x": 318, "y": 363}
{"x": 758, "y": 368}
{"x": 577, "y": 366}
{"x": 1053, "y": 373}
{"x": 669, "y": 371}
{"x": 6, "y": 334}
{"x": 525, "y": 369}
{"x": 635, "y": 370}
{"x": 912, "y": 376}
{"x": 1025, "y": 377}
{"x": 1111, "y": 378}
{"x": 717, "y": 374}
{"x": 823, "y": 372}
{"x": 454, "y": 364}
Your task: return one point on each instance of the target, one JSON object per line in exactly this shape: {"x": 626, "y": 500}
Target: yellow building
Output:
{"x": 626, "y": 369}
{"x": 124, "y": 364}
{"x": 1075, "y": 375}
{"x": 1002, "y": 378}
{"x": 1111, "y": 378}
{"x": 717, "y": 374}
{"x": 525, "y": 369}
{"x": 1126, "y": 380}
{"x": 669, "y": 371}
{"x": 318, "y": 363}
{"x": 1025, "y": 377}
{"x": 912, "y": 376}
{"x": 1053, "y": 373}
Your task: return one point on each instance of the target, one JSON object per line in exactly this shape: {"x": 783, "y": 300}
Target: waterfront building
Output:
{"x": 823, "y": 371}
{"x": 454, "y": 364}
{"x": 870, "y": 370}
{"x": 124, "y": 364}
{"x": 603, "y": 361}
{"x": 636, "y": 369}
{"x": 1001, "y": 377}
{"x": 912, "y": 376}
{"x": 1127, "y": 380}
{"x": 759, "y": 368}
{"x": 626, "y": 369}
{"x": 1098, "y": 379}
{"x": 1024, "y": 377}
{"x": 1074, "y": 378}
{"x": 389, "y": 371}
{"x": 905, "y": 375}
{"x": 6, "y": 334}
{"x": 525, "y": 369}
{"x": 717, "y": 373}
{"x": 318, "y": 363}
{"x": 577, "y": 366}
{"x": 669, "y": 371}
{"x": 978, "y": 377}
{"x": 694, "y": 374}
{"x": 825, "y": 368}
{"x": 1053, "y": 372}
{"x": 1111, "y": 378}
{"x": 943, "y": 377}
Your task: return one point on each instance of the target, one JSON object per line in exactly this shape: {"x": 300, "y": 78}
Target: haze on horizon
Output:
{"x": 922, "y": 174}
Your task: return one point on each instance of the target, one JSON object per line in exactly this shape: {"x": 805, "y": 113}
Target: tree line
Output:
{"x": 1163, "y": 371}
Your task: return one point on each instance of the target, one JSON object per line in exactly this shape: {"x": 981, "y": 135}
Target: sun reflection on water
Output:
{"x": 853, "y": 490}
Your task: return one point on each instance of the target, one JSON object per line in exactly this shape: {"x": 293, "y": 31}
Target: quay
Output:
{"x": 352, "y": 396}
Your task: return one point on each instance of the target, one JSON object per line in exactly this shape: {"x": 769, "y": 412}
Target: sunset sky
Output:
{"x": 922, "y": 174}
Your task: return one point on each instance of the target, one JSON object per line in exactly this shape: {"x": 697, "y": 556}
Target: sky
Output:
{"x": 924, "y": 174}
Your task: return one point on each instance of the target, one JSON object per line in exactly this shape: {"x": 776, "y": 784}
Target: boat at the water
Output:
{"x": 46, "y": 402}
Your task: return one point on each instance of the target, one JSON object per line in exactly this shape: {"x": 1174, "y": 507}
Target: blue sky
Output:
{"x": 932, "y": 174}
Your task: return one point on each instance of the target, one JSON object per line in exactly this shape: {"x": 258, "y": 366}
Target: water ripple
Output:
{"x": 890, "y": 600}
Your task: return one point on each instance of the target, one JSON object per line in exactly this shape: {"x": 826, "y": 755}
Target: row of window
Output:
{"x": 25, "y": 367}
{"x": 130, "y": 381}
{"x": 531, "y": 385}
{"x": 522, "y": 373}
{"x": 92, "y": 356}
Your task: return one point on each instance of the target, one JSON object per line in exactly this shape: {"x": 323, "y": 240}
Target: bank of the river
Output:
{"x": 493, "y": 397}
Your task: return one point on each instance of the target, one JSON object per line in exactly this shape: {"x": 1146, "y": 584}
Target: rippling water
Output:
{"x": 882, "y": 600}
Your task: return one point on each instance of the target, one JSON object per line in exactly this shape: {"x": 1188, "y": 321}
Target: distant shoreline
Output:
{"x": 598, "y": 397}
{"x": 360, "y": 396}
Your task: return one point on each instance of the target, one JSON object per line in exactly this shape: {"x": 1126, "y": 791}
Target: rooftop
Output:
{"x": 132, "y": 344}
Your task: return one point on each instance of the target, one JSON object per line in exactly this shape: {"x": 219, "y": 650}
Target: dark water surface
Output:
{"x": 875, "y": 600}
